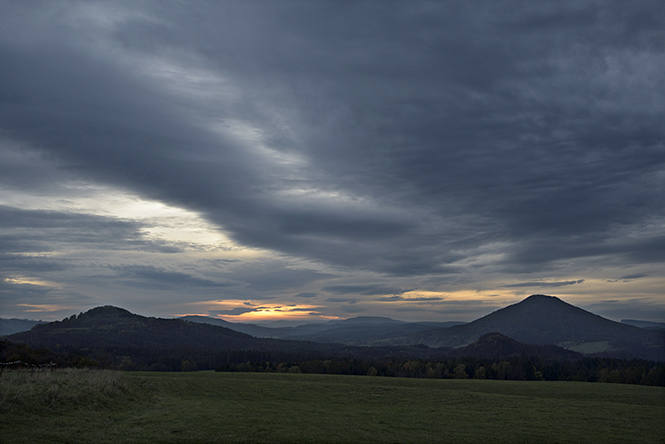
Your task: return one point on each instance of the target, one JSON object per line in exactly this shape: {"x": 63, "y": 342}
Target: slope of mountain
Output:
{"x": 497, "y": 346}
{"x": 541, "y": 320}
{"x": 115, "y": 327}
{"x": 13, "y": 325}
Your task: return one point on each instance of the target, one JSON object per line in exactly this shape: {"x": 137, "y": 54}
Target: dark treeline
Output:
{"x": 519, "y": 368}
{"x": 385, "y": 361}
{"x": 186, "y": 358}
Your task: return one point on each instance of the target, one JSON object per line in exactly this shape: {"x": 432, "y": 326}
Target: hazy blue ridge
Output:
{"x": 644, "y": 324}
{"x": 539, "y": 325}
{"x": 13, "y": 325}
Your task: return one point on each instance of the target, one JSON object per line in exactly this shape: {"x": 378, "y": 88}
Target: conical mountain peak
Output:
{"x": 541, "y": 319}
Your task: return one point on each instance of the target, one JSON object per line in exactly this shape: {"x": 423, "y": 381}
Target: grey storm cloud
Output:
{"x": 305, "y": 295}
{"x": 436, "y": 120}
{"x": 352, "y": 309}
{"x": 348, "y": 300}
{"x": 629, "y": 277}
{"x": 41, "y": 230}
{"x": 154, "y": 277}
{"x": 635, "y": 276}
{"x": 278, "y": 278}
{"x": 399, "y": 139}
{"x": 366, "y": 289}
{"x": 545, "y": 284}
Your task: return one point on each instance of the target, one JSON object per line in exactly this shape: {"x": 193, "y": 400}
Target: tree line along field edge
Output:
{"x": 518, "y": 367}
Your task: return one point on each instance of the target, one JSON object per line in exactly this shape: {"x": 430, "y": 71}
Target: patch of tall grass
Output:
{"x": 63, "y": 388}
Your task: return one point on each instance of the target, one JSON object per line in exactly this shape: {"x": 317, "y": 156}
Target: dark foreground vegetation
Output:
{"x": 102, "y": 406}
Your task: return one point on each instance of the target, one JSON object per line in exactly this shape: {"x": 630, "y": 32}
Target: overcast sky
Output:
{"x": 330, "y": 159}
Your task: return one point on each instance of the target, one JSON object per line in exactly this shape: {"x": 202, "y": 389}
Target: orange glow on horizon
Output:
{"x": 252, "y": 311}
{"x": 274, "y": 315}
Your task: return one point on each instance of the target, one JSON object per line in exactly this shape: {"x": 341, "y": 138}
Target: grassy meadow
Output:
{"x": 70, "y": 406}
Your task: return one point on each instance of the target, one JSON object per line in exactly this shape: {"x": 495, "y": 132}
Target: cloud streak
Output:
{"x": 545, "y": 284}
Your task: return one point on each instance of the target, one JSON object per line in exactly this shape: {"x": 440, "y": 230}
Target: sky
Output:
{"x": 312, "y": 160}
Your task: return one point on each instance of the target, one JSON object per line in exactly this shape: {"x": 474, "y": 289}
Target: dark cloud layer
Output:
{"x": 159, "y": 278}
{"x": 402, "y": 139}
{"x": 545, "y": 284}
{"x": 37, "y": 230}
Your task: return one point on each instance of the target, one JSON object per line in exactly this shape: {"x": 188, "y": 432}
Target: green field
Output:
{"x": 114, "y": 407}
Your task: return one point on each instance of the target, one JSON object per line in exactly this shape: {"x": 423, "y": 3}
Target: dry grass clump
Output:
{"x": 68, "y": 387}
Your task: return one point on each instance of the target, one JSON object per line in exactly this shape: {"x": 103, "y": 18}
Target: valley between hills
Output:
{"x": 540, "y": 329}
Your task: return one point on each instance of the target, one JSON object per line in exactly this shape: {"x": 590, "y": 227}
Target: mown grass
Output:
{"x": 296, "y": 408}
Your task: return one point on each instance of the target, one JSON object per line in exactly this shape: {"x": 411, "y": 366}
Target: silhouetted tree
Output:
{"x": 460, "y": 372}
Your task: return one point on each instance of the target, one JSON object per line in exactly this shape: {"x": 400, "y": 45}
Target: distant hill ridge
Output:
{"x": 112, "y": 334}
{"x": 369, "y": 320}
{"x": 538, "y": 320}
{"x": 14, "y": 325}
{"x": 362, "y": 330}
{"x": 541, "y": 320}
{"x": 116, "y": 327}
{"x": 644, "y": 324}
